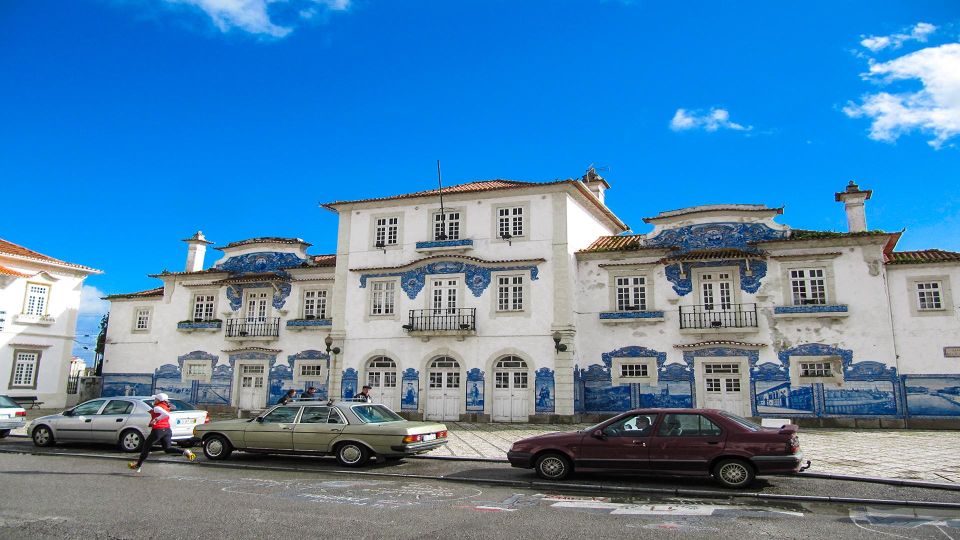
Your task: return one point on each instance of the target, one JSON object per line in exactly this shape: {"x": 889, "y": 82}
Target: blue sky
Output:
{"x": 126, "y": 125}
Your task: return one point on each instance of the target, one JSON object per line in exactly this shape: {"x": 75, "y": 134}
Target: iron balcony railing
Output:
{"x": 442, "y": 319}
{"x": 243, "y": 327}
{"x": 719, "y": 316}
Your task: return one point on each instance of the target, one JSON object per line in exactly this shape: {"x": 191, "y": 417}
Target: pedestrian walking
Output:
{"x": 160, "y": 433}
{"x": 364, "y": 395}
{"x": 288, "y": 397}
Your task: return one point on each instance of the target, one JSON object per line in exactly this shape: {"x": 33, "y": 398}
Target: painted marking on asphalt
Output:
{"x": 683, "y": 510}
{"x": 908, "y": 518}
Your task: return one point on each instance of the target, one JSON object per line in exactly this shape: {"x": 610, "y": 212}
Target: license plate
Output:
{"x": 187, "y": 421}
{"x": 429, "y": 437}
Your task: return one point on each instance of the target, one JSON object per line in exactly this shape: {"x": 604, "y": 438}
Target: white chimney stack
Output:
{"x": 196, "y": 249}
{"x": 595, "y": 183}
{"x": 853, "y": 201}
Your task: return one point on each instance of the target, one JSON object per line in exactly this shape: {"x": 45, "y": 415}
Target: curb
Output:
{"x": 535, "y": 484}
{"x": 881, "y": 480}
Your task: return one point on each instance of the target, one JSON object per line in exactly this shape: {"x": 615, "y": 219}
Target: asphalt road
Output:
{"x": 64, "y": 496}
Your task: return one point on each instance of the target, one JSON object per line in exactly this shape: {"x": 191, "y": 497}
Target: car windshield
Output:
{"x": 7, "y": 402}
{"x": 375, "y": 414}
{"x": 175, "y": 405}
{"x": 742, "y": 421}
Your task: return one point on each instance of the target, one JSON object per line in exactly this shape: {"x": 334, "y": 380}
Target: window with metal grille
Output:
{"x": 633, "y": 370}
{"x": 446, "y": 225}
{"x": 808, "y": 286}
{"x": 36, "y": 301}
{"x": 928, "y": 295}
{"x": 203, "y": 306}
{"x": 382, "y": 301}
{"x": 631, "y": 293}
{"x": 510, "y": 221}
{"x": 25, "y": 369}
{"x": 816, "y": 369}
{"x": 510, "y": 293}
{"x": 142, "y": 319}
{"x": 315, "y": 304}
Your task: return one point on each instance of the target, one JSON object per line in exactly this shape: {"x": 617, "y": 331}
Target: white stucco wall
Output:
{"x": 922, "y": 336}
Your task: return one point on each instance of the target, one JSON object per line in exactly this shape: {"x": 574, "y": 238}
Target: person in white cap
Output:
{"x": 161, "y": 434}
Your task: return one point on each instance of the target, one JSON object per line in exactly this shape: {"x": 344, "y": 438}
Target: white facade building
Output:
{"x": 524, "y": 301}
{"x": 39, "y": 302}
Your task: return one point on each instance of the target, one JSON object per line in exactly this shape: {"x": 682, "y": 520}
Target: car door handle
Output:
{"x": 119, "y": 419}
{"x": 640, "y": 443}
{"x": 88, "y": 420}
{"x": 713, "y": 442}
{"x": 334, "y": 431}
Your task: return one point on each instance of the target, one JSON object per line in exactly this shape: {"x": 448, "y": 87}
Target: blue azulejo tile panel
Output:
{"x": 861, "y": 398}
{"x": 127, "y": 384}
{"x": 463, "y": 242}
{"x": 783, "y": 310}
{"x": 780, "y": 397}
{"x": 217, "y": 391}
{"x": 280, "y": 293}
{"x": 545, "y": 390}
{"x": 169, "y": 380}
{"x": 349, "y": 383}
{"x": 752, "y": 271}
{"x": 599, "y": 395}
{"x": 478, "y": 278}
{"x": 474, "y": 390}
{"x": 615, "y": 315}
{"x": 410, "y": 390}
{"x": 665, "y": 395}
{"x": 933, "y": 395}
{"x": 194, "y": 325}
{"x": 260, "y": 262}
{"x": 308, "y": 322}
{"x": 720, "y": 235}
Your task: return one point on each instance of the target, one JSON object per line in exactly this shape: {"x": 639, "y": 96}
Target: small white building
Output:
{"x": 39, "y": 302}
{"x": 521, "y": 301}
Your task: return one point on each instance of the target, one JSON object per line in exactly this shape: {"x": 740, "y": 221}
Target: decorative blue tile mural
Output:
{"x": 261, "y": 262}
{"x": 217, "y": 391}
{"x": 545, "y": 391}
{"x": 680, "y": 275}
{"x": 127, "y": 384}
{"x": 860, "y": 398}
{"x": 779, "y": 397}
{"x": 932, "y": 395}
{"x": 168, "y": 379}
{"x": 281, "y": 380}
{"x": 599, "y": 395}
{"x": 410, "y": 390}
{"x": 715, "y": 236}
{"x": 674, "y": 388}
{"x": 474, "y": 390}
{"x": 349, "y": 383}
{"x": 477, "y": 277}
{"x": 280, "y": 293}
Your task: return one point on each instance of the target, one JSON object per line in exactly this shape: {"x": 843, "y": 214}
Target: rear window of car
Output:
{"x": 376, "y": 414}
{"x": 743, "y": 422}
{"x": 7, "y": 402}
{"x": 687, "y": 425}
{"x": 175, "y": 405}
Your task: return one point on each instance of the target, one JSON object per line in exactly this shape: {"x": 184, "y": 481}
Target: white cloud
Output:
{"x": 934, "y": 109}
{"x": 919, "y": 32}
{"x": 253, "y": 16}
{"x": 712, "y": 120}
{"x": 91, "y": 303}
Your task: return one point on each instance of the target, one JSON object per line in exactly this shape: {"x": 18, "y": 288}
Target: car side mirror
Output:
{"x": 259, "y": 419}
{"x": 68, "y": 412}
{"x": 598, "y": 434}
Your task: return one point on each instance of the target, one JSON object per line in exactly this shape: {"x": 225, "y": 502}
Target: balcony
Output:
{"x": 719, "y": 318}
{"x": 458, "y": 322}
{"x": 256, "y": 329}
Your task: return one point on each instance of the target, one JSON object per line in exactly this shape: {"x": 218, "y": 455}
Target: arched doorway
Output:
{"x": 443, "y": 389}
{"x": 382, "y": 380}
{"x": 511, "y": 390}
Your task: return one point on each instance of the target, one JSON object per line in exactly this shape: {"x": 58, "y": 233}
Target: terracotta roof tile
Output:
{"x": 264, "y": 240}
{"x": 324, "y": 260}
{"x": 140, "y": 294}
{"x": 710, "y": 254}
{"x": 805, "y": 234}
{"x": 469, "y": 187}
{"x": 448, "y": 257}
{"x": 616, "y": 243}
{"x": 923, "y": 256}
{"x": 19, "y": 251}
{"x": 4, "y": 271}
{"x": 719, "y": 343}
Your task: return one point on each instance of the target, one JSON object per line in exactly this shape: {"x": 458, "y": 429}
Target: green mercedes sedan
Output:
{"x": 353, "y": 432}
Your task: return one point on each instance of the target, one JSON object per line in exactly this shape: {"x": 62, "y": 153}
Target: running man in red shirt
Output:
{"x": 161, "y": 434}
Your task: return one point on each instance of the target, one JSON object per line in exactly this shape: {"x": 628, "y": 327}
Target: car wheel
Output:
{"x": 217, "y": 447}
{"x": 4, "y": 433}
{"x": 351, "y": 454}
{"x": 42, "y": 436}
{"x": 553, "y": 466}
{"x": 131, "y": 441}
{"x": 733, "y": 473}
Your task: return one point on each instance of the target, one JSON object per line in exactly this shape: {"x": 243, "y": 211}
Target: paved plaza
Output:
{"x": 904, "y": 454}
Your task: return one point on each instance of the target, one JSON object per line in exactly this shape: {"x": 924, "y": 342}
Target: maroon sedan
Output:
{"x": 688, "y": 442}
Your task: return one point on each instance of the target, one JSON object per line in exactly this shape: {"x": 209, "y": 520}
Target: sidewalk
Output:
{"x": 904, "y": 454}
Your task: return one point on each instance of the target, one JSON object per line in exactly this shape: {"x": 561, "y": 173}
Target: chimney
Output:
{"x": 595, "y": 183}
{"x": 197, "y": 247}
{"x": 853, "y": 199}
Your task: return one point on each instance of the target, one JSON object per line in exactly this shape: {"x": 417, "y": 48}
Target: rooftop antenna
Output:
{"x": 443, "y": 214}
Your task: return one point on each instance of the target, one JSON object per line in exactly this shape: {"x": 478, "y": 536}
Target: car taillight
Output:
{"x": 21, "y": 413}
{"x": 793, "y": 445}
{"x": 206, "y": 419}
{"x": 412, "y": 438}
{"x": 441, "y": 434}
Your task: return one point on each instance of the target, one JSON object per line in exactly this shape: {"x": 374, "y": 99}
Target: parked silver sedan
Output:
{"x": 118, "y": 420}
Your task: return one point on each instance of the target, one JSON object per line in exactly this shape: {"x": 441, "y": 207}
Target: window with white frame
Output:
{"x": 446, "y": 225}
{"x": 36, "y": 301}
{"x": 631, "y": 293}
{"x": 308, "y": 371}
{"x": 204, "y": 305}
{"x": 141, "y": 321}
{"x": 3, "y": 319}
{"x": 25, "y": 365}
{"x": 510, "y": 293}
{"x": 929, "y": 297}
{"x": 382, "y": 295}
{"x": 315, "y": 304}
{"x": 386, "y": 231}
{"x": 510, "y": 221}
{"x": 197, "y": 370}
{"x": 816, "y": 369}
{"x": 808, "y": 286}
{"x": 633, "y": 370}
